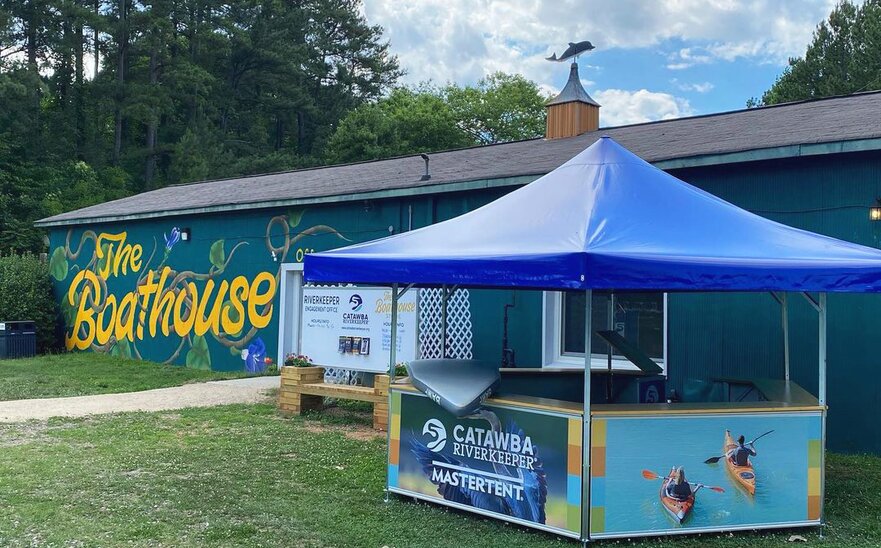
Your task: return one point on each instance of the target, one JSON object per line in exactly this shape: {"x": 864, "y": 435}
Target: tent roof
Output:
{"x": 606, "y": 219}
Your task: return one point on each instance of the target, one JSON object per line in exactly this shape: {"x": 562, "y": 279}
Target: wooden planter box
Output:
{"x": 303, "y": 388}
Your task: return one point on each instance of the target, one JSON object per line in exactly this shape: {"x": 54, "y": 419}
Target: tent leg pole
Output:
{"x": 821, "y": 395}
{"x": 822, "y": 384}
{"x": 785, "y": 320}
{"x": 585, "y": 432}
{"x": 444, "y": 297}
{"x": 392, "y": 362}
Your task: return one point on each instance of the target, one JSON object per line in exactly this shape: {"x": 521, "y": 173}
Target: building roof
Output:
{"x": 573, "y": 90}
{"x": 837, "y": 124}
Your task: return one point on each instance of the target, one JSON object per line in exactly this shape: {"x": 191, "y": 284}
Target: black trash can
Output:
{"x": 18, "y": 339}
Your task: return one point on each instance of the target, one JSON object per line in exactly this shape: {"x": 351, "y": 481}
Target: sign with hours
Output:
{"x": 350, "y": 327}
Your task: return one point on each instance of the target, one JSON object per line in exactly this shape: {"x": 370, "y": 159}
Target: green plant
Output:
{"x": 401, "y": 370}
{"x": 297, "y": 360}
{"x": 271, "y": 367}
{"x": 26, "y": 294}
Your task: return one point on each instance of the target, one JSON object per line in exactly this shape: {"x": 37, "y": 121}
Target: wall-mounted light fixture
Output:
{"x": 185, "y": 234}
{"x": 875, "y": 210}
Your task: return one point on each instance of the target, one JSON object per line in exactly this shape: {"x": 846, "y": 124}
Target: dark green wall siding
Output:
{"x": 710, "y": 335}
{"x": 740, "y": 335}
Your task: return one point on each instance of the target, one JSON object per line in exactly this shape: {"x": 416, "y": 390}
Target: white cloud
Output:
{"x": 698, "y": 87}
{"x": 621, "y": 107}
{"x": 463, "y": 40}
{"x": 688, "y": 57}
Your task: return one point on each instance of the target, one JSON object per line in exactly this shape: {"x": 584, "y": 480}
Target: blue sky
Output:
{"x": 655, "y": 59}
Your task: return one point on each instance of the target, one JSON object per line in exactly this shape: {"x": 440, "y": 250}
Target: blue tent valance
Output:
{"x": 606, "y": 219}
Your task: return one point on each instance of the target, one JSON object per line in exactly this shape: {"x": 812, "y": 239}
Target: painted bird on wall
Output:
{"x": 574, "y": 49}
{"x": 535, "y": 487}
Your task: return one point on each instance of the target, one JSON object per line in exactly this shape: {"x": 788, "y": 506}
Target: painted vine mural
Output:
{"x": 173, "y": 303}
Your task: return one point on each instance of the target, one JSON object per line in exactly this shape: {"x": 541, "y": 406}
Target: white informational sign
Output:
{"x": 350, "y": 327}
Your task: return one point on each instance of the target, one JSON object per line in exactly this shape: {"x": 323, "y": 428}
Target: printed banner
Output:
{"x": 350, "y": 327}
{"x": 519, "y": 465}
{"x": 655, "y": 475}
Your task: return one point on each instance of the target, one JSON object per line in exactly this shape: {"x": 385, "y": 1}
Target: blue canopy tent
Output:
{"x": 608, "y": 220}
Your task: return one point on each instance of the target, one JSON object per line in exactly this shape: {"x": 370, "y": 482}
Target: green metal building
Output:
{"x": 190, "y": 274}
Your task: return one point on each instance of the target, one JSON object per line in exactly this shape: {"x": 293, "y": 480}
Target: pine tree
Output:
{"x": 844, "y": 57}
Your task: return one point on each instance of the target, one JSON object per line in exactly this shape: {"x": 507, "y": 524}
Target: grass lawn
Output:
{"x": 80, "y": 374}
{"x": 243, "y": 476}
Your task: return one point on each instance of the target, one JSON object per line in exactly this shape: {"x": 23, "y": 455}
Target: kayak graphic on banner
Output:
{"x": 664, "y": 474}
{"x": 350, "y": 327}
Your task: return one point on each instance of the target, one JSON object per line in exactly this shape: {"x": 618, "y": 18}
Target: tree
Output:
{"x": 176, "y": 91}
{"x": 844, "y": 57}
{"x": 405, "y": 122}
{"x": 500, "y": 108}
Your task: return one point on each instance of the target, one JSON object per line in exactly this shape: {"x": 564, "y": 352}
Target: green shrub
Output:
{"x": 26, "y": 294}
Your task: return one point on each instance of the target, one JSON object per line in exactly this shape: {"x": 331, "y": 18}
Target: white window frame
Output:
{"x": 289, "y": 309}
{"x": 552, "y": 341}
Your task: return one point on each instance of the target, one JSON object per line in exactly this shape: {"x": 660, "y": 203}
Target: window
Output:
{"x": 638, "y": 317}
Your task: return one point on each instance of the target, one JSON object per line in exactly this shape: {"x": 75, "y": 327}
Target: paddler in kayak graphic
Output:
{"x": 677, "y": 493}
{"x": 677, "y": 486}
{"x": 738, "y": 461}
{"x": 742, "y": 452}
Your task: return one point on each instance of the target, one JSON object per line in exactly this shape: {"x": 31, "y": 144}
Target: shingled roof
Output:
{"x": 698, "y": 140}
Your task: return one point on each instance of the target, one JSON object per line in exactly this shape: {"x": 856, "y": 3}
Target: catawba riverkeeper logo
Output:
{"x": 485, "y": 460}
{"x": 438, "y": 432}
{"x": 496, "y": 447}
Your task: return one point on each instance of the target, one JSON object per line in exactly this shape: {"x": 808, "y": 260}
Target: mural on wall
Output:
{"x": 156, "y": 298}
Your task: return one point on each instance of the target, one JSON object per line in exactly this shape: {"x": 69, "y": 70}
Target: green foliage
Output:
{"x": 297, "y": 360}
{"x": 26, "y": 294}
{"x": 499, "y": 108}
{"x": 844, "y": 57}
{"x": 122, "y": 349}
{"x": 295, "y": 216}
{"x": 199, "y": 356}
{"x": 86, "y": 373}
{"x": 405, "y": 122}
{"x": 183, "y": 90}
{"x": 58, "y": 264}
{"x": 217, "y": 255}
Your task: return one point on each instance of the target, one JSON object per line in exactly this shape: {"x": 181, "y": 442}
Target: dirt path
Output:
{"x": 204, "y": 394}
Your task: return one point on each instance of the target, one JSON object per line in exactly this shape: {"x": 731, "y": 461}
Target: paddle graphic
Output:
{"x": 714, "y": 460}
{"x": 649, "y": 475}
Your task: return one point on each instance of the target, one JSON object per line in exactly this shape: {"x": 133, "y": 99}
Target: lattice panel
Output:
{"x": 459, "y": 335}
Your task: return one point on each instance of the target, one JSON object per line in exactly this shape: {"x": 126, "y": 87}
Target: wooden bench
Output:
{"x": 303, "y": 388}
